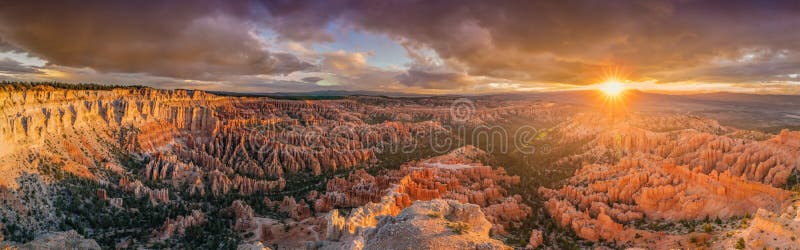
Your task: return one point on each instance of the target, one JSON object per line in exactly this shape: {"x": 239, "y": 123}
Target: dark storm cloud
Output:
{"x": 311, "y": 79}
{"x": 302, "y": 20}
{"x": 569, "y": 41}
{"x": 9, "y": 66}
{"x": 190, "y": 40}
{"x": 562, "y": 40}
{"x": 5, "y": 46}
{"x": 433, "y": 80}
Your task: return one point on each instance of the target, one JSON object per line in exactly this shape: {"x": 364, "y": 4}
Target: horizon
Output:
{"x": 365, "y": 92}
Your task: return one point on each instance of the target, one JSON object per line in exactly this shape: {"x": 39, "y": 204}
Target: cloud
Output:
{"x": 571, "y": 41}
{"x": 205, "y": 40}
{"x": 343, "y": 62}
{"x": 311, "y": 79}
{"x": 453, "y": 45}
{"x": 434, "y": 80}
{"x": 299, "y": 21}
{"x": 9, "y": 66}
{"x": 5, "y": 46}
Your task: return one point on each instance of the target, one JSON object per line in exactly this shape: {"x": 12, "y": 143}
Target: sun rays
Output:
{"x": 612, "y": 88}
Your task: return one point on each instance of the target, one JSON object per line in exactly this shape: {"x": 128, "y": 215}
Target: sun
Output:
{"x": 612, "y": 91}
{"x": 612, "y": 88}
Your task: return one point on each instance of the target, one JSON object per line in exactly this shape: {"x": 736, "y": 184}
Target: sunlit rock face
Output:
{"x": 147, "y": 148}
{"x": 671, "y": 169}
{"x": 73, "y": 126}
{"x": 386, "y": 200}
{"x": 635, "y": 191}
{"x": 773, "y": 230}
{"x": 435, "y": 224}
{"x": 308, "y": 174}
{"x": 374, "y": 199}
{"x": 693, "y": 142}
{"x": 469, "y": 182}
{"x": 455, "y": 176}
{"x": 194, "y": 144}
{"x": 251, "y": 137}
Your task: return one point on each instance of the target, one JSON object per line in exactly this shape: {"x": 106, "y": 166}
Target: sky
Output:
{"x": 412, "y": 46}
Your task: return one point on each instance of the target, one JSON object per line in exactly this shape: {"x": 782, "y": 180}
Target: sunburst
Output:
{"x": 612, "y": 84}
{"x": 613, "y": 91}
{"x": 612, "y": 88}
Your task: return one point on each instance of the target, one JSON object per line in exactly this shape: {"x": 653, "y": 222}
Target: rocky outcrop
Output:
{"x": 190, "y": 133}
{"x": 65, "y": 120}
{"x": 769, "y": 161}
{"x": 671, "y": 168}
{"x": 431, "y": 179}
{"x": 296, "y": 210}
{"x": 773, "y": 230}
{"x": 55, "y": 240}
{"x": 364, "y": 217}
{"x": 586, "y": 226}
{"x": 252, "y": 246}
{"x": 435, "y": 224}
{"x": 102, "y": 194}
{"x": 507, "y": 215}
{"x": 358, "y": 189}
{"x": 289, "y": 233}
{"x": 116, "y": 202}
{"x": 633, "y": 190}
{"x": 635, "y": 187}
{"x": 535, "y": 240}
{"x": 243, "y": 216}
{"x": 179, "y": 225}
{"x": 140, "y": 190}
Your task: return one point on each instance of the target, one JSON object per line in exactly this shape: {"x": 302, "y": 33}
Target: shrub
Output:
{"x": 740, "y": 244}
{"x": 707, "y": 228}
{"x": 459, "y": 227}
{"x": 436, "y": 215}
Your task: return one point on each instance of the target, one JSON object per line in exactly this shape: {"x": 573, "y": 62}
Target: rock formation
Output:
{"x": 252, "y": 246}
{"x": 536, "y": 239}
{"x": 55, "y": 240}
{"x": 457, "y": 178}
{"x": 435, "y": 224}
{"x": 177, "y": 148}
{"x": 179, "y": 225}
{"x": 772, "y": 230}
{"x": 140, "y": 190}
{"x": 673, "y": 168}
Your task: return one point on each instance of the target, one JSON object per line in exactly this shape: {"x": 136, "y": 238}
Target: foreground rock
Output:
{"x": 435, "y": 224}
{"x": 455, "y": 176}
{"x": 55, "y": 240}
{"x": 252, "y": 246}
{"x": 772, "y": 230}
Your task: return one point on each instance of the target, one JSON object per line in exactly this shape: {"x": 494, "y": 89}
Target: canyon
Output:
{"x": 131, "y": 167}
{"x": 675, "y": 171}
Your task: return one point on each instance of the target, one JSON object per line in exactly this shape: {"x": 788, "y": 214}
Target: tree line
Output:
{"x": 11, "y": 86}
